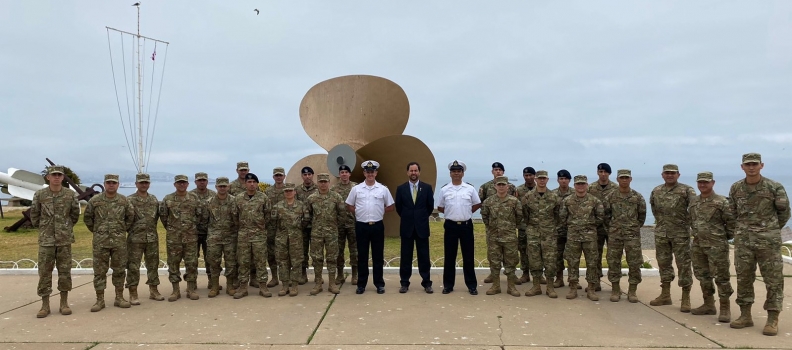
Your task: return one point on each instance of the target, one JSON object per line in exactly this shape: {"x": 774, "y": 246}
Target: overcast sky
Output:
{"x": 548, "y": 84}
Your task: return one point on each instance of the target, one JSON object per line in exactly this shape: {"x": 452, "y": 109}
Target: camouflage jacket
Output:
{"x": 626, "y": 214}
{"x": 540, "y": 212}
{"x": 488, "y": 190}
{"x": 54, "y": 214}
{"x": 326, "y": 212}
{"x": 181, "y": 216}
{"x": 144, "y": 230}
{"x": 223, "y": 220}
{"x": 253, "y": 218}
{"x": 289, "y": 219}
{"x": 236, "y": 187}
{"x": 562, "y": 231}
{"x": 343, "y": 190}
{"x": 275, "y": 195}
{"x": 303, "y": 192}
{"x": 761, "y": 210}
{"x": 501, "y": 216}
{"x": 581, "y": 215}
{"x": 670, "y": 209}
{"x": 601, "y": 192}
{"x": 203, "y": 229}
{"x": 522, "y": 190}
{"x": 109, "y": 219}
{"x": 712, "y": 220}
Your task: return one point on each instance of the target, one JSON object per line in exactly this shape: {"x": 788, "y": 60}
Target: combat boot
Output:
{"x": 274, "y": 281}
{"x": 685, "y": 305}
{"x": 303, "y": 277}
{"x": 551, "y": 291}
{"x": 591, "y": 292}
{"x": 572, "y": 290}
{"x": 559, "y": 281}
{"x": 215, "y": 290}
{"x": 100, "y": 304}
{"x": 536, "y": 289}
{"x": 354, "y": 276}
{"x": 525, "y": 278}
{"x": 241, "y": 292}
{"x": 284, "y": 289}
{"x": 631, "y": 296}
{"x": 725, "y": 311}
{"x": 495, "y": 288}
{"x": 708, "y": 308}
{"x": 745, "y": 319}
{"x": 191, "y": 287}
{"x": 264, "y": 291}
{"x": 176, "y": 294}
{"x": 771, "y": 327}
{"x": 511, "y": 287}
{"x": 230, "y": 283}
{"x": 318, "y": 282}
{"x": 133, "y": 296}
{"x": 340, "y": 278}
{"x": 489, "y": 279}
{"x": 119, "y": 299}
{"x": 542, "y": 279}
{"x": 64, "y": 304}
{"x": 253, "y": 282}
{"x": 45, "y": 307}
{"x": 293, "y": 289}
{"x": 597, "y": 286}
{"x": 665, "y": 295}
{"x": 615, "y": 292}
{"x": 154, "y": 294}
{"x": 332, "y": 287}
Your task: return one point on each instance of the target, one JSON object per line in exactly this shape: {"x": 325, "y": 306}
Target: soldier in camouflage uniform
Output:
{"x": 529, "y": 174}
{"x": 305, "y": 189}
{"x": 502, "y": 214}
{"x": 181, "y": 214}
{"x": 712, "y": 226}
{"x": 600, "y": 189}
{"x": 253, "y": 208}
{"x": 488, "y": 190}
{"x": 54, "y": 212}
{"x": 582, "y": 213}
{"x": 346, "y": 228}
{"x": 203, "y": 193}
{"x": 540, "y": 212}
{"x": 626, "y": 210}
{"x": 222, "y": 237}
{"x": 238, "y": 185}
{"x": 289, "y": 217}
{"x": 109, "y": 216}
{"x": 326, "y": 210}
{"x": 670, "y": 202}
{"x": 275, "y": 195}
{"x": 761, "y": 208}
{"x": 143, "y": 241}
{"x": 563, "y": 191}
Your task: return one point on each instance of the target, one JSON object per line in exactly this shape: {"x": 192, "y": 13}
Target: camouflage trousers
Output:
{"x": 572, "y": 256}
{"x": 306, "y": 246}
{"x": 178, "y": 252}
{"x": 502, "y": 254}
{"x": 542, "y": 252}
{"x": 522, "y": 248}
{"x": 201, "y": 245}
{"x": 602, "y": 239}
{"x": 150, "y": 253}
{"x": 561, "y": 241}
{"x": 677, "y": 248}
{"x": 218, "y": 252}
{"x": 712, "y": 262}
{"x": 48, "y": 259}
{"x": 257, "y": 251}
{"x": 271, "y": 255}
{"x": 767, "y": 254}
{"x": 631, "y": 247}
{"x": 106, "y": 258}
{"x": 346, "y": 236}
{"x": 289, "y": 247}
{"x": 324, "y": 249}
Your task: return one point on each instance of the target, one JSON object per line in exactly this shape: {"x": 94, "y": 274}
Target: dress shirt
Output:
{"x": 458, "y": 201}
{"x": 369, "y": 201}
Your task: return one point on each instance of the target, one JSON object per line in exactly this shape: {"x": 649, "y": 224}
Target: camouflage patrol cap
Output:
{"x": 142, "y": 177}
{"x": 752, "y": 158}
{"x": 705, "y": 176}
{"x": 55, "y": 169}
{"x": 111, "y": 178}
{"x": 541, "y": 174}
{"x": 278, "y": 171}
{"x": 671, "y": 167}
{"x": 501, "y": 180}
{"x": 624, "y": 173}
{"x": 242, "y": 166}
{"x": 581, "y": 179}
{"x": 181, "y": 178}
{"x": 221, "y": 181}
{"x": 323, "y": 177}
{"x": 201, "y": 176}
{"x": 288, "y": 186}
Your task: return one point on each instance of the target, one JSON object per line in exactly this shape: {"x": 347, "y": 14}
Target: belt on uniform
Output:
{"x": 467, "y": 222}
{"x": 370, "y": 223}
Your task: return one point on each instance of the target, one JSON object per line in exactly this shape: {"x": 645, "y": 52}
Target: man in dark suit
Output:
{"x": 414, "y": 203}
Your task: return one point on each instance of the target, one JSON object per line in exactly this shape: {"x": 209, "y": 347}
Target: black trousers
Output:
{"x": 372, "y": 235}
{"x": 422, "y": 250}
{"x": 458, "y": 234}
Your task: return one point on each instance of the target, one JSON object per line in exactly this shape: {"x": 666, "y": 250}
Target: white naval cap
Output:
{"x": 370, "y": 165}
{"x": 457, "y": 165}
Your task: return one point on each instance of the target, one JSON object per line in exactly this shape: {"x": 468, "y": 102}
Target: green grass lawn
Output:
{"x": 23, "y": 244}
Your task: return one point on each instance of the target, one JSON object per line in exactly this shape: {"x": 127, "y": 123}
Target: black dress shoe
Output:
{"x": 403, "y": 289}
{"x": 429, "y": 290}
{"x": 380, "y": 290}
{"x": 360, "y": 290}
{"x": 473, "y": 291}
{"x": 447, "y": 290}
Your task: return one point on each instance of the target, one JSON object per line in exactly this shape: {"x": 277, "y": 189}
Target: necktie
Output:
{"x": 414, "y": 192}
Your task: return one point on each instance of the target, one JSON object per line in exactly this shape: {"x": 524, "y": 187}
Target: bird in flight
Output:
{"x": 257, "y": 11}
{"x": 136, "y": 4}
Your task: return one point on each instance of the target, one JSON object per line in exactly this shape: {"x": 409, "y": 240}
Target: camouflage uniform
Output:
{"x": 289, "y": 221}
{"x": 627, "y": 214}
{"x": 522, "y": 238}
{"x": 581, "y": 216}
{"x": 302, "y": 195}
{"x": 712, "y": 225}
{"x": 203, "y": 231}
{"x": 561, "y": 229}
{"x": 672, "y": 232}
{"x": 236, "y": 187}
{"x": 181, "y": 216}
{"x": 601, "y": 192}
{"x": 275, "y": 195}
{"x": 222, "y": 236}
{"x": 346, "y": 230}
{"x": 502, "y": 216}
{"x": 54, "y": 214}
{"x": 488, "y": 190}
{"x": 109, "y": 219}
{"x": 540, "y": 212}
{"x": 252, "y": 238}
{"x": 326, "y": 212}
{"x": 143, "y": 240}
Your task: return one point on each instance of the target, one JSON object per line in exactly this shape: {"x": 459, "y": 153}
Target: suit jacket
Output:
{"x": 414, "y": 216}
